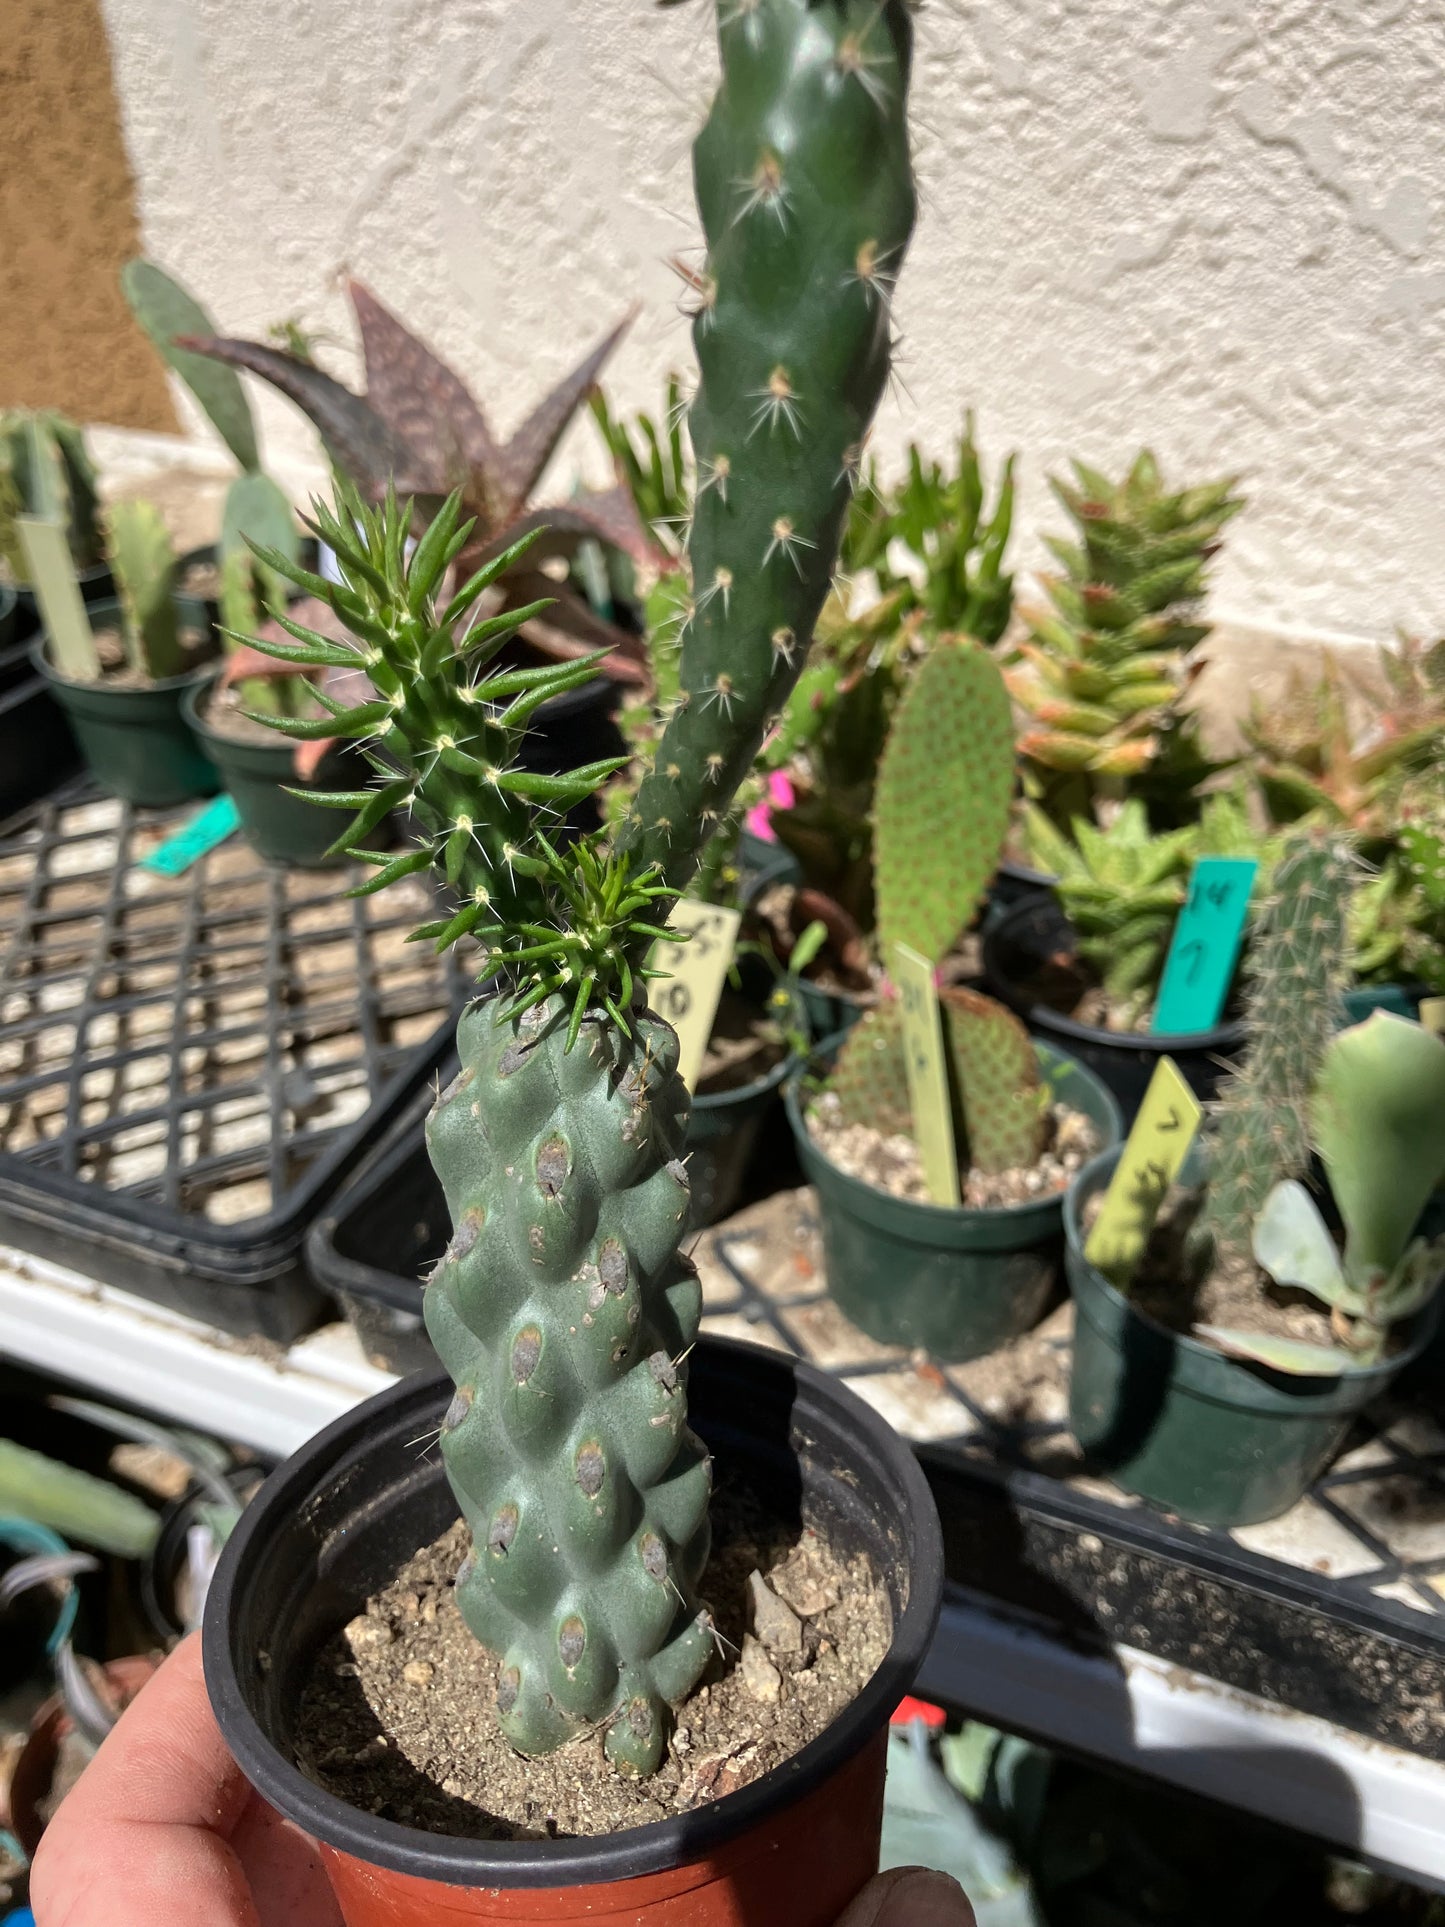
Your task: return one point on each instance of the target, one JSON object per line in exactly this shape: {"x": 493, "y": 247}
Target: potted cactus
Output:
{"x": 1216, "y": 1375}
{"x": 122, "y": 683}
{"x": 1083, "y": 963}
{"x": 46, "y": 470}
{"x": 563, "y": 1310}
{"x": 934, "y": 547}
{"x": 957, "y": 1280}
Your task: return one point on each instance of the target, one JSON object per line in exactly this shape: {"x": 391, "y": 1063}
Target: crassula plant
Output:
{"x": 563, "y": 1308}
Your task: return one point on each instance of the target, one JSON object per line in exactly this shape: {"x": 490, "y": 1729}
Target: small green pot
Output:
{"x": 1215, "y": 1440}
{"x": 279, "y": 827}
{"x": 956, "y": 1282}
{"x": 136, "y": 741}
{"x": 721, "y": 1133}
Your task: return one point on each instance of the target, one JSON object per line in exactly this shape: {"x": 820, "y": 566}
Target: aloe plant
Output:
{"x": 563, "y": 1308}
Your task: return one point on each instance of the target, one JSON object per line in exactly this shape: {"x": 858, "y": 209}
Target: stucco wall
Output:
{"x": 1216, "y": 227}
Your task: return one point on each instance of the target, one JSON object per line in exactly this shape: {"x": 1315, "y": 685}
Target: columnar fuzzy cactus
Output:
{"x": 1103, "y": 669}
{"x": 945, "y": 784}
{"x": 1259, "y": 1131}
{"x": 561, "y": 1307}
{"x": 145, "y": 576}
{"x": 806, "y": 196}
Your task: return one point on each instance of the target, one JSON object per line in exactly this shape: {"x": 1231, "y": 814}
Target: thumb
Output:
{"x": 910, "y": 1897}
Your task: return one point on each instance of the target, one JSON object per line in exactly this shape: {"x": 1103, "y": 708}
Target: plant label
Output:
{"x": 696, "y": 972}
{"x": 1432, "y": 1014}
{"x": 192, "y": 840}
{"x": 927, "y": 1071}
{"x": 62, "y": 607}
{"x": 1167, "y": 1124}
{"x": 1205, "y": 947}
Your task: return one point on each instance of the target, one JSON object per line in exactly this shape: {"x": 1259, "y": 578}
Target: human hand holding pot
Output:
{"x": 163, "y": 1827}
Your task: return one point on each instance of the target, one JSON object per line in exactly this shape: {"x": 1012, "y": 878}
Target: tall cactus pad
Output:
{"x": 996, "y": 1077}
{"x": 806, "y": 195}
{"x": 1260, "y": 1132}
{"x": 562, "y": 1310}
{"x": 945, "y": 787}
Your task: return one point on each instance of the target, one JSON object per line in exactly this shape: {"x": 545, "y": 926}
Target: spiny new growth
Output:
{"x": 1297, "y": 972}
{"x": 443, "y": 736}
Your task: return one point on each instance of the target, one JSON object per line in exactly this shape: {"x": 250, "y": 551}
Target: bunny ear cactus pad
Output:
{"x": 806, "y": 194}
{"x": 941, "y": 810}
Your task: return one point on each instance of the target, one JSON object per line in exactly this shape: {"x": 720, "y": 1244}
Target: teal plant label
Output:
{"x": 62, "y": 608}
{"x": 193, "y": 840}
{"x": 1200, "y": 966}
{"x": 927, "y": 1071}
{"x": 697, "y": 970}
{"x": 1167, "y": 1124}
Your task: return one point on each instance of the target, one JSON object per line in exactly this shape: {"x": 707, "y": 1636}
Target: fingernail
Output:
{"x": 926, "y": 1900}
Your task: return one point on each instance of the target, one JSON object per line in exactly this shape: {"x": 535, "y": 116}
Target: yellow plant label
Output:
{"x": 1432, "y": 1014}
{"x": 696, "y": 972}
{"x": 62, "y": 608}
{"x": 927, "y": 1071}
{"x": 1167, "y": 1124}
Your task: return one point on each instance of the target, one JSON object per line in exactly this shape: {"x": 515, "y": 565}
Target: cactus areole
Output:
{"x": 562, "y": 1308}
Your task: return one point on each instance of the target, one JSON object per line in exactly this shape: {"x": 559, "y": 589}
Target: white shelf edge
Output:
{"x": 138, "y": 1353}
{"x": 1172, "y": 1724}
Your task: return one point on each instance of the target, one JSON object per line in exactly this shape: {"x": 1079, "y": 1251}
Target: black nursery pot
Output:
{"x": 1018, "y": 951}
{"x": 336, "y": 1521}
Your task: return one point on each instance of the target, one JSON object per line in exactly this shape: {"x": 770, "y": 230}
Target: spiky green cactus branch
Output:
{"x": 806, "y": 194}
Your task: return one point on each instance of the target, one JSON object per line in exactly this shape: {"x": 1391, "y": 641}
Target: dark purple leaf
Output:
{"x": 426, "y": 406}
{"x": 521, "y": 462}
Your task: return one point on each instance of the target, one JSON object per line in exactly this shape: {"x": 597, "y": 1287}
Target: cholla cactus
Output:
{"x": 1297, "y": 971}
{"x": 562, "y": 1307}
{"x": 945, "y": 786}
{"x": 1104, "y": 668}
{"x": 46, "y": 471}
{"x": 1374, "y": 1112}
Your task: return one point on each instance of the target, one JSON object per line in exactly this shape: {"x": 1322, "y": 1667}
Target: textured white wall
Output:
{"x": 1215, "y": 227}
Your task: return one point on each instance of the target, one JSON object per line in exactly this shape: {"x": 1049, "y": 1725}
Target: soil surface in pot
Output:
{"x": 1180, "y": 1286}
{"x": 890, "y": 1161}
{"x": 745, "y": 1045}
{"x": 224, "y": 710}
{"x": 398, "y": 1715}
{"x": 118, "y": 672}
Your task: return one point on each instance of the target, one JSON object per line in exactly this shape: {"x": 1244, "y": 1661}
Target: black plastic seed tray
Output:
{"x": 190, "y": 1066}
{"x": 1335, "y": 1609}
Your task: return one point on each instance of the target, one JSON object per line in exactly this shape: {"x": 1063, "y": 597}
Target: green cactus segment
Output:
{"x": 995, "y": 1074}
{"x": 1297, "y": 975}
{"x": 46, "y": 471}
{"x": 145, "y": 573}
{"x": 167, "y": 311}
{"x": 563, "y": 1310}
{"x": 945, "y": 789}
{"x": 806, "y": 194}
{"x": 1376, "y": 1114}
{"x": 999, "y": 1103}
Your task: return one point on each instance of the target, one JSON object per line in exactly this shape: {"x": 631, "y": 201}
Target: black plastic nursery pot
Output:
{"x": 37, "y": 748}
{"x": 136, "y": 741}
{"x": 1018, "y": 951}
{"x": 335, "y": 1522}
{"x": 1212, "y": 1439}
{"x": 259, "y": 777}
{"x": 1015, "y": 883}
{"x": 954, "y": 1282}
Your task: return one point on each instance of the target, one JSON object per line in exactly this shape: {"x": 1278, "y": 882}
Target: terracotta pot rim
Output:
{"x": 880, "y": 1452}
